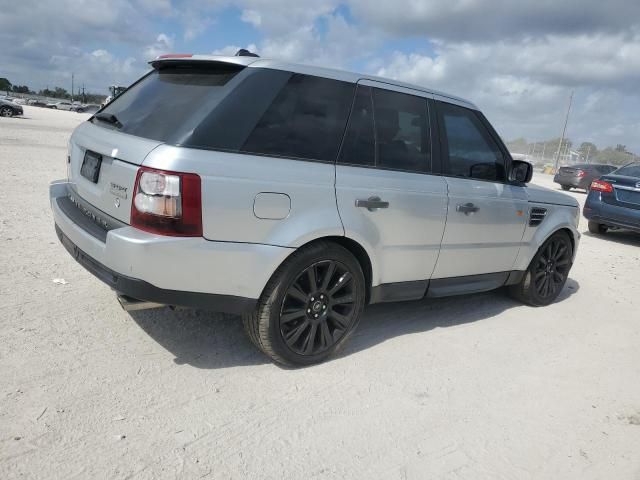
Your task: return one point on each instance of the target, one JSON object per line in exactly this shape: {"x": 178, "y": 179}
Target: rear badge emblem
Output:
{"x": 638, "y": 185}
{"x": 118, "y": 190}
{"x": 117, "y": 202}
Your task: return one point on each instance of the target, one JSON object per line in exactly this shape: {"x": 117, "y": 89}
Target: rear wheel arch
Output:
{"x": 356, "y": 249}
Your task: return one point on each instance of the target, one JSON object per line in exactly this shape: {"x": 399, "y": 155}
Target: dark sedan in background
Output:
{"x": 581, "y": 175}
{"x": 9, "y": 109}
{"x": 614, "y": 200}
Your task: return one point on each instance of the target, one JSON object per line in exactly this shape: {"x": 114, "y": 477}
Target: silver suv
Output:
{"x": 296, "y": 195}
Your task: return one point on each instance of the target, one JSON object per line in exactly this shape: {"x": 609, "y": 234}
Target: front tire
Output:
{"x": 597, "y": 228}
{"x": 547, "y": 273}
{"x": 6, "y": 112}
{"x": 310, "y": 306}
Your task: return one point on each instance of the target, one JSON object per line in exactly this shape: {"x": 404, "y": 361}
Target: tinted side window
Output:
{"x": 470, "y": 149}
{"x": 402, "y": 131}
{"x": 359, "y": 143}
{"x": 306, "y": 120}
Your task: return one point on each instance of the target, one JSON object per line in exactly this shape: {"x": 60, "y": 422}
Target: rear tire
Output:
{"x": 310, "y": 306}
{"x": 547, "y": 273}
{"x": 565, "y": 187}
{"x": 597, "y": 228}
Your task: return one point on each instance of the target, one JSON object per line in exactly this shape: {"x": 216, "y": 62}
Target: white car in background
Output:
{"x": 59, "y": 105}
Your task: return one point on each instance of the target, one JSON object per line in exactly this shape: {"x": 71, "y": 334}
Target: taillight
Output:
{"x": 601, "y": 186}
{"x": 167, "y": 203}
{"x": 581, "y": 173}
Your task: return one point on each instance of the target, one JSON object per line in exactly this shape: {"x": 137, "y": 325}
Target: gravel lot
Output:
{"x": 468, "y": 387}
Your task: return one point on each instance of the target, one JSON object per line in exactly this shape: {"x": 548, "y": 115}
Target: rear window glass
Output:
{"x": 631, "y": 170}
{"x": 163, "y": 102}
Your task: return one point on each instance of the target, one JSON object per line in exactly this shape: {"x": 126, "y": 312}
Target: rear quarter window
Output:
{"x": 306, "y": 120}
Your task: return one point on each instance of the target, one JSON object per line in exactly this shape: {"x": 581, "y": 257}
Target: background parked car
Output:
{"x": 59, "y": 105}
{"x": 36, "y": 103}
{"x": 614, "y": 200}
{"x": 581, "y": 175}
{"x": 9, "y": 109}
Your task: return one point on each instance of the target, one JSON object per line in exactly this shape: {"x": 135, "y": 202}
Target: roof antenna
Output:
{"x": 243, "y": 52}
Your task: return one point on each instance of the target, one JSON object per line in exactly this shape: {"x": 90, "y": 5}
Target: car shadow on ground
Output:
{"x": 200, "y": 338}
{"x": 625, "y": 237}
{"x": 211, "y": 340}
{"x": 384, "y": 321}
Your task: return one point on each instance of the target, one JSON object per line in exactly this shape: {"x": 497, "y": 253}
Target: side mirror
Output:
{"x": 521, "y": 171}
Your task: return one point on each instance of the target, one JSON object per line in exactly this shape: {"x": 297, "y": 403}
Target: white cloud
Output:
{"x": 163, "y": 44}
{"x": 251, "y": 16}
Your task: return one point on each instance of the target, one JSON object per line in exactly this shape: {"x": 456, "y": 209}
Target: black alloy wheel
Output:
{"x": 310, "y": 306}
{"x": 547, "y": 273}
{"x": 318, "y": 308}
{"x": 552, "y": 268}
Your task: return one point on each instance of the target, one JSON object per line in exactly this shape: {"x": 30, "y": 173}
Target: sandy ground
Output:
{"x": 469, "y": 387}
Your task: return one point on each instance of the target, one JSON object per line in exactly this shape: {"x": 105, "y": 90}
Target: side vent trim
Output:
{"x": 536, "y": 216}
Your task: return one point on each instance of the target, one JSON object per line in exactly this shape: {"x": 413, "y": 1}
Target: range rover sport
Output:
{"x": 295, "y": 195}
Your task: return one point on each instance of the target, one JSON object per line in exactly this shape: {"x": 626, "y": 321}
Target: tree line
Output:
{"x": 587, "y": 152}
{"x": 56, "y": 92}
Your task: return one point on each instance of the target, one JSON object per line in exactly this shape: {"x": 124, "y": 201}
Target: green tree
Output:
{"x": 5, "y": 85}
{"x": 21, "y": 89}
{"x": 614, "y": 156}
{"x": 588, "y": 150}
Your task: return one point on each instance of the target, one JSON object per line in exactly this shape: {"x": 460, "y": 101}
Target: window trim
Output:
{"x": 444, "y": 145}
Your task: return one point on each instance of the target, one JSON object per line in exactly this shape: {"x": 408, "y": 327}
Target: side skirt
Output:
{"x": 443, "y": 287}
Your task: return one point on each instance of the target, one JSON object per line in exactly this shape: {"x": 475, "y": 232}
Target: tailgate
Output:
{"x": 111, "y": 159}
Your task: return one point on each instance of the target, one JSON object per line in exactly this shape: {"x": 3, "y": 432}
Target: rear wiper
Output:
{"x": 108, "y": 118}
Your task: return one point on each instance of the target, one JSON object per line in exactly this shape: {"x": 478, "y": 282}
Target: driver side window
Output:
{"x": 470, "y": 150}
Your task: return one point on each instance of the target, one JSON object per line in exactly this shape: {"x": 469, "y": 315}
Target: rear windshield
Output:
{"x": 236, "y": 109}
{"x": 631, "y": 170}
{"x": 159, "y": 105}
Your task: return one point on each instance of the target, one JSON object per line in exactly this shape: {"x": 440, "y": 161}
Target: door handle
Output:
{"x": 467, "y": 208}
{"x": 372, "y": 204}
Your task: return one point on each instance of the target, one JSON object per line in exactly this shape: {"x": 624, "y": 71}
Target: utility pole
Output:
{"x": 83, "y": 97}
{"x": 544, "y": 146}
{"x": 72, "y": 88}
{"x": 564, "y": 130}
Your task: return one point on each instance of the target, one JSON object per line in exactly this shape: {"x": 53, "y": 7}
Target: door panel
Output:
{"x": 486, "y": 216}
{"x": 403, "y": 238}
{"x": 386, "y": 166}
{"x": 487, "y": 240}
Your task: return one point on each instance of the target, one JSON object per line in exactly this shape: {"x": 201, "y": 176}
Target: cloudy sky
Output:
{"x": 517, "y": 60}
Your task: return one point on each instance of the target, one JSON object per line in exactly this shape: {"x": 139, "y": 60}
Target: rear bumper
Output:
{"x": 614, "y": 215}
{"x": 191, "y": 272}
{"x": 141, "y": 290}
{"x": 575, "y": 182}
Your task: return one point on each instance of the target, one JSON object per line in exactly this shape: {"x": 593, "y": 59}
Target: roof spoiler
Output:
{"x": 243, "y": 52}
